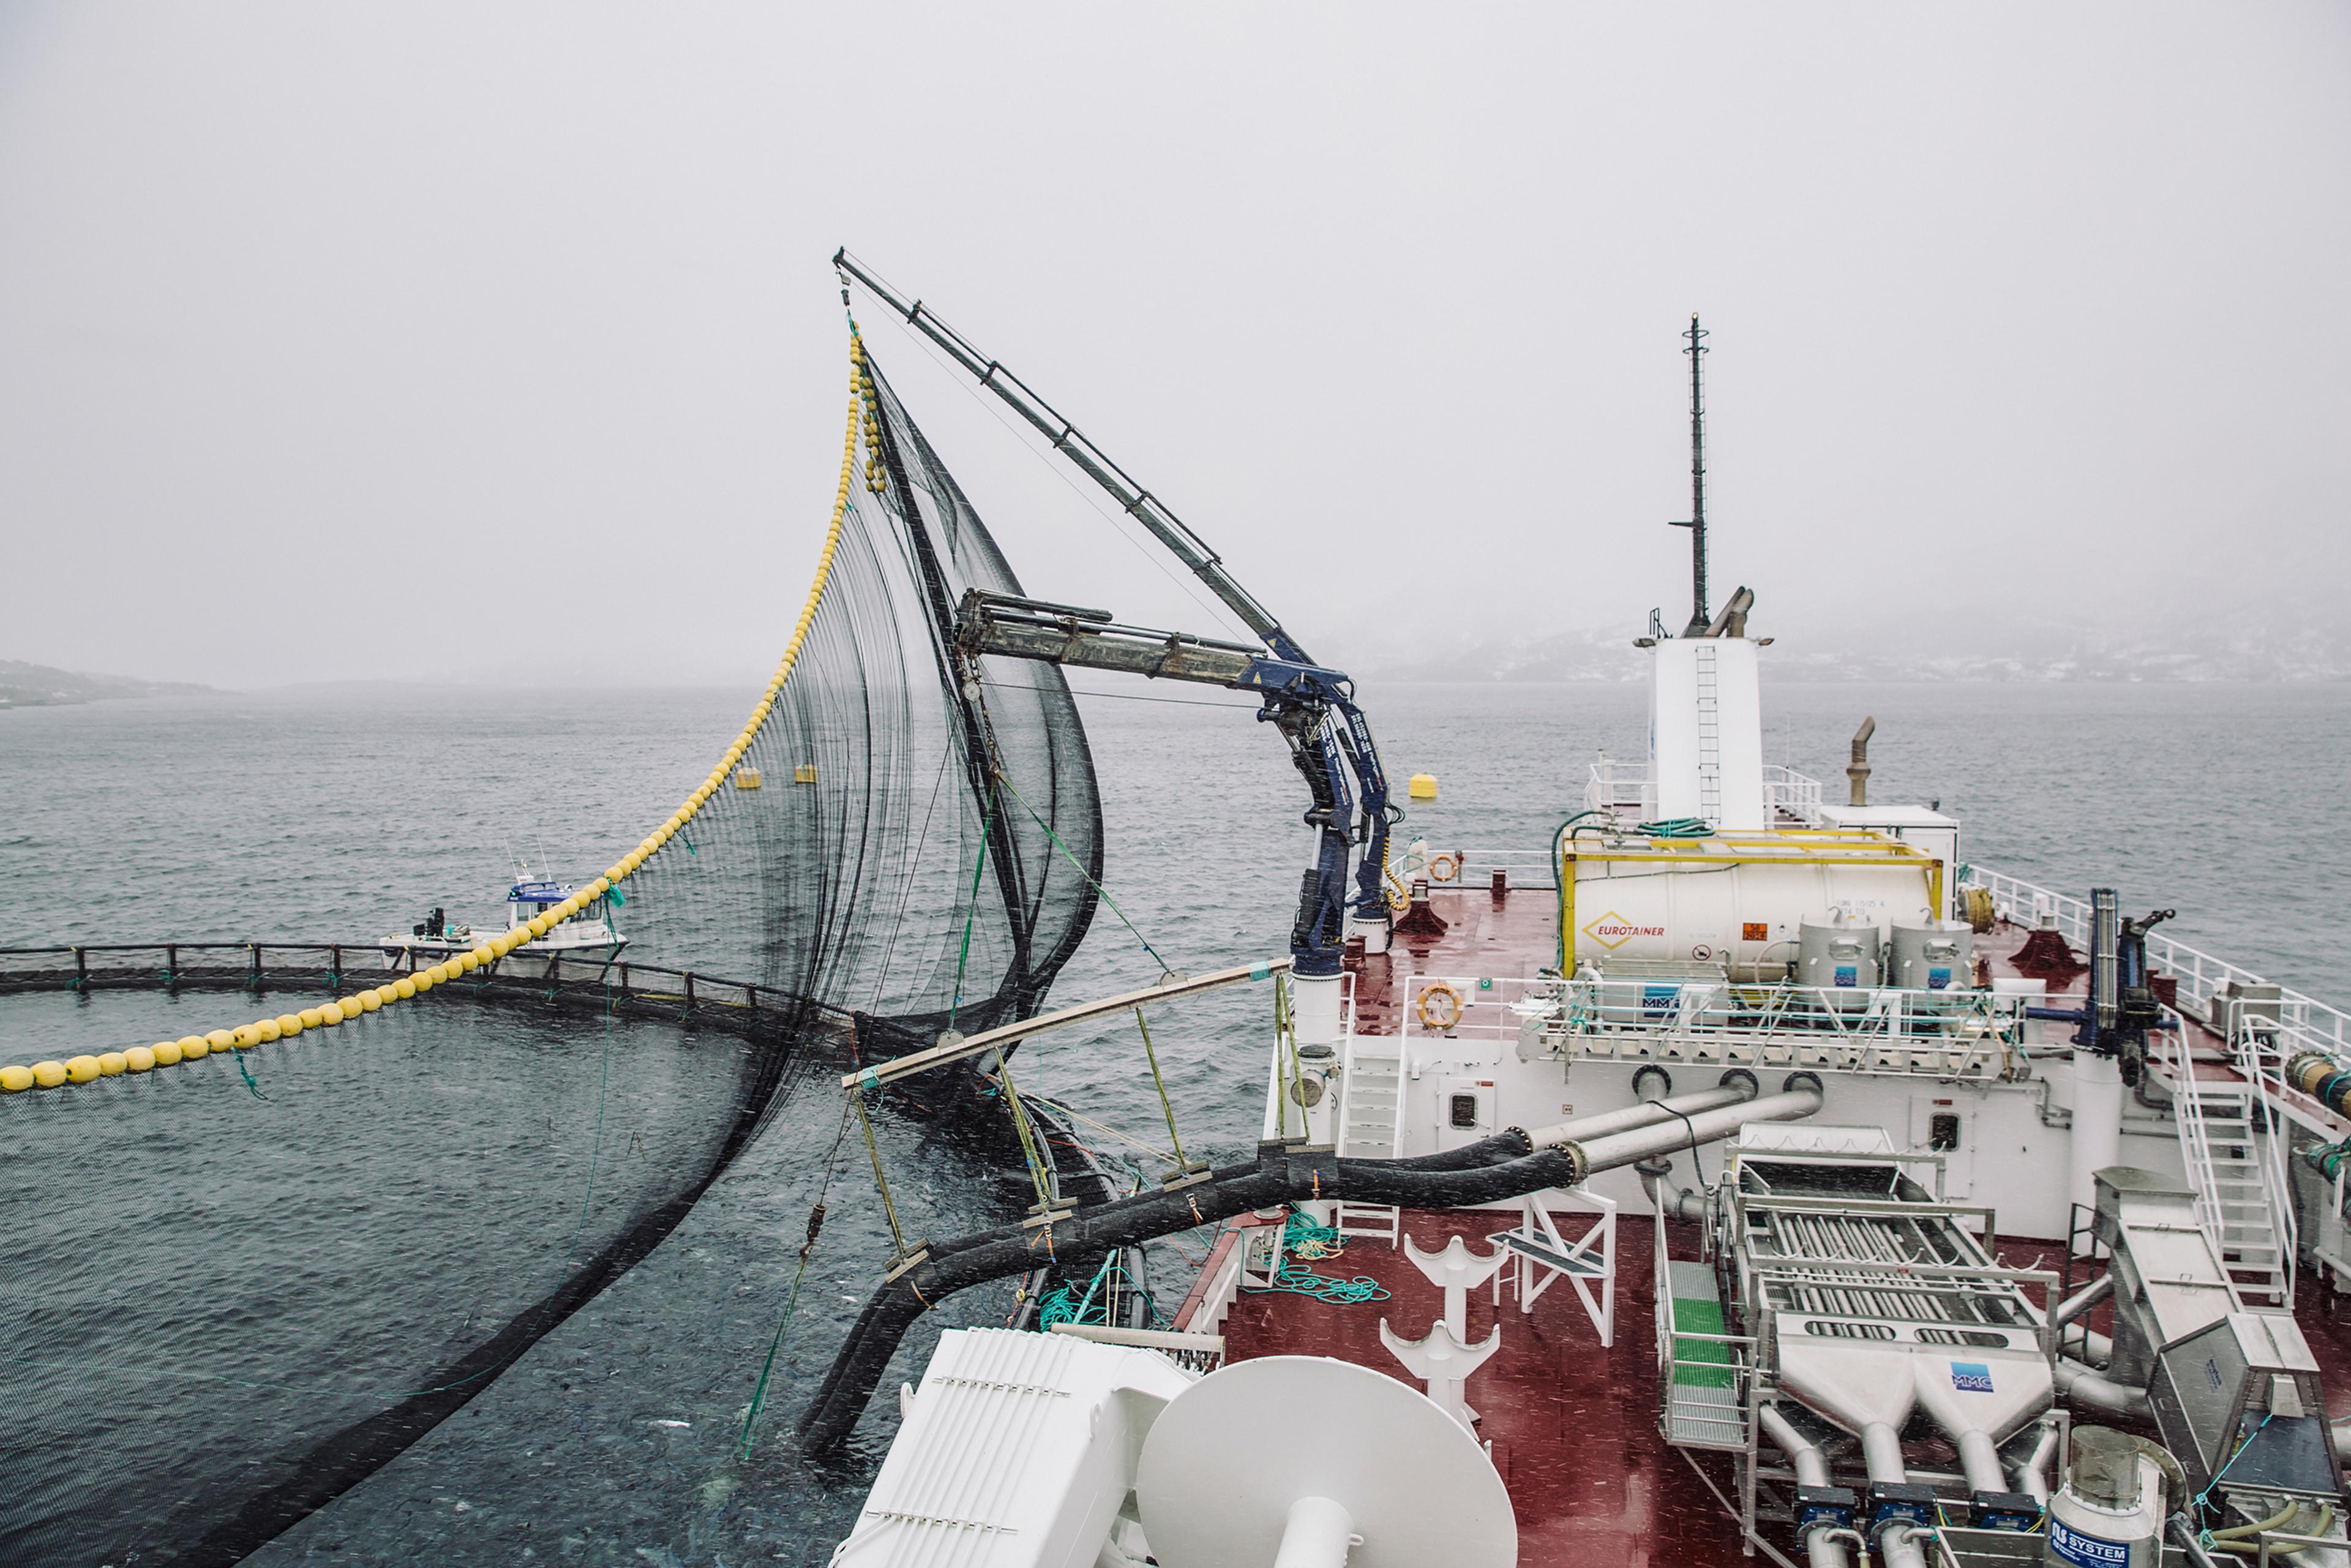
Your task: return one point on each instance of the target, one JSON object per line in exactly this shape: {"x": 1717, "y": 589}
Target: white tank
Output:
{"x": 1747, "y": 918}
{"x": 1936, "y": 957}
{"x": 2110, "y": 1510}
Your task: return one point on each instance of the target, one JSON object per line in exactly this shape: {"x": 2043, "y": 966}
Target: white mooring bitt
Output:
{"x": 1457, "y": 1271}
{"x": 1444, "y": 1364}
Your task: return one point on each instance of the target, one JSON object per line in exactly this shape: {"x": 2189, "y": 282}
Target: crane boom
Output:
{"x": 1072, "y": 442}
{"x": 1312, "y": 705}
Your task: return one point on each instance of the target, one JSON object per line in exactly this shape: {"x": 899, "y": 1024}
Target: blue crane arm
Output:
{"x": 1312, "y": 705}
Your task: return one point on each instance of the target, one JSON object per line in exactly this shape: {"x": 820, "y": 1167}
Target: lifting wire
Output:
{"x": 1184, "y": 1166}
{"x": 792, "y": 1301}
{"x": 873, "y": 1152}
{"x": 1101, "y": 892}
{"x": 1029, "y": 1145}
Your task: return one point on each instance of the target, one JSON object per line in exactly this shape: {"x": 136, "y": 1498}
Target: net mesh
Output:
{"x": 258, "y": 1276}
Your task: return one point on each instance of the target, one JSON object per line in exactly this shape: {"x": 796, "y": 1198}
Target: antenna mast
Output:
{"x": 1699, "y": 620}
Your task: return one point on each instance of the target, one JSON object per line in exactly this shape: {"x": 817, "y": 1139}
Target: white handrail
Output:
{"x": 2308, "y": 1023}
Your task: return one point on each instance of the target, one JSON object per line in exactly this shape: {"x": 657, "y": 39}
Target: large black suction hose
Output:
{"x": 1283, "y": 1173}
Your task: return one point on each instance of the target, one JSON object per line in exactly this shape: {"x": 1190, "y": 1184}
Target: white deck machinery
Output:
{"x": 1895, "y": 1396}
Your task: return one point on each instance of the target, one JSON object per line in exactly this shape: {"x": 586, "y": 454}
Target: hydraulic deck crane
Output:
{"x": 1311, "y": 704}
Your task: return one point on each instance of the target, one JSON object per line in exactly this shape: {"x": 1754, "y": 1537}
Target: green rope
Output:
{"x": 1302, "y": 1238}
{"x": 255, "y": 1089}
{"x": 1678, "y": 828}
{"x": 1100, "y": 891}
{"x": 792, "y": 1301}
{"x": 1301, "y": 1281}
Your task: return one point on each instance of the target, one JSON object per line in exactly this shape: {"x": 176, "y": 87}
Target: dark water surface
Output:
{"x": 457, "y": 1145}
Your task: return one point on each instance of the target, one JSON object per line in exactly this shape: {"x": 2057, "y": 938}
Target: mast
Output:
{"x": 1699, "y": 619}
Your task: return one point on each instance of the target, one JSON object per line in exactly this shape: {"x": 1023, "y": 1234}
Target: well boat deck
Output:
{"x": 1574, "y": 1428}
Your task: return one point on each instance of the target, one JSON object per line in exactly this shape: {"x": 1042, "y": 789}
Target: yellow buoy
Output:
{"x": 220, "y": 1039}
{"x": 168, "y": 1052}
{"x": 15, "y": 1080}
{"x": 331, "y": 1014}
{"x": 49, "y": 1074}
{"x": 268, "y": 1030}
{"x": 406, "y": 987}
{"x": 312, "y": 1017}
{"x": 289, "y": 1025}
{"x": 138, "y": 1059}
{"x": 112, "y": 1064}
{"x": 196, "y": 1048}
{"x": 747, "y": 779}
{"x": 246, "y": 1037}
{"x": 82, "y": 1069}
{"x": 1423, "y": 787}
{"x": 804, "y": 774}
{"x": 372, "y": 1001}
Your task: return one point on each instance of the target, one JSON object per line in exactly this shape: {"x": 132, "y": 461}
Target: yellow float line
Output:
{"x": 194, "y": 1047}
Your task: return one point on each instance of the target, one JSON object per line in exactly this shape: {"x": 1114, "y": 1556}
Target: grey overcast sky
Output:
{"x": 499, "y": 341}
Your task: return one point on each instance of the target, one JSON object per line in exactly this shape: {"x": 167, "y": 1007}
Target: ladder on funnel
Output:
{"x": 1371, "y": 1126}
{"x": 2242, "y": 1195}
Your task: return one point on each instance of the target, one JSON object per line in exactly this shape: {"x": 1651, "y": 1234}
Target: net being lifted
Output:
{"x": 237, "y": 1281}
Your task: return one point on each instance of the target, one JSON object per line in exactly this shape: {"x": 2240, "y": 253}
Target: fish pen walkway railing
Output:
{"x": 626, "y": 989}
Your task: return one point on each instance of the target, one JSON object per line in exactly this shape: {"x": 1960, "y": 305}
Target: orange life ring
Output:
{"x": 1443, "y": 867}
{"x": 1451, "y": 1010}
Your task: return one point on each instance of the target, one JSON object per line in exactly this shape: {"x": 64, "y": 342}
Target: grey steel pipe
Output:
{"x": 1898, "y": 1547}
{"x": 2032, "y": 1474}
{"x": 1681, "y": 1133}
{"x": 1649, "y": 1111}
{"x": 2082, "y": 1301}
{"x": 2084, "y": 1385}
{"x": 1683, "y": 1205}
{"x": 1881, "y": 1452}
{"x": 1980, "y": 1462}
{"x": 1821, "y": 1546}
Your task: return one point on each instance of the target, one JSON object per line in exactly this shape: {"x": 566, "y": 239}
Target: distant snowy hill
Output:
{"x": 38, "y": 685}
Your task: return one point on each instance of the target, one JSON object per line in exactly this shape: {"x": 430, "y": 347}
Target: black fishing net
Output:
{"x": 257, "y": 1277}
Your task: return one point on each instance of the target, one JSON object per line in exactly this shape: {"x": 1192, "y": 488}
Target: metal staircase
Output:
{"x": 2235, "y": 1164}
{"x": 1370, "y": 1125}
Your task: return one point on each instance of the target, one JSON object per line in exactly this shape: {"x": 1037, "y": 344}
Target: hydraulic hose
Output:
{"x": 1281, "y": 1175}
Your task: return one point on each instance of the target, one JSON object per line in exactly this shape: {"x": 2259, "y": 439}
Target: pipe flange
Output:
{"x": 1810, "y": 1081}
{"x": 1741, "y": 1077}
{"x": 1646, "y": 1070}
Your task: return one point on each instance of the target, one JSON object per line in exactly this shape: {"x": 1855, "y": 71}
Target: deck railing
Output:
{"x": 1622, "y": 789}
{"x": 1703, "y": 1379}
{"x": 1961, "y": 1034}
{"x": 640, "y": 990}
{"x": 2212, "y": 989}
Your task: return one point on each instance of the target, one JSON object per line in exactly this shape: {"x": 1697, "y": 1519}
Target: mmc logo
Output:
{"x": 1612, "y": 931}
{"x": 1971, "y": 1377}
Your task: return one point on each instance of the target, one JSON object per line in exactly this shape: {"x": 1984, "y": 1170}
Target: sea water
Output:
{"x": 343, "y": 813}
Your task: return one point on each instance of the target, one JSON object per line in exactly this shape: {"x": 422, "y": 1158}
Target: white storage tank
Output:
{"x": 2110, "y": 1510}
{"x": 1741, "y": 914}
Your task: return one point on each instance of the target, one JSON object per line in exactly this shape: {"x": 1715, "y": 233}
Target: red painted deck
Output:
{"x": 1574, "y": 1428}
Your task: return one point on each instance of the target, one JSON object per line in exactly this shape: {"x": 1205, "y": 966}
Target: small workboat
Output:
{"x": 586, "y": 938}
